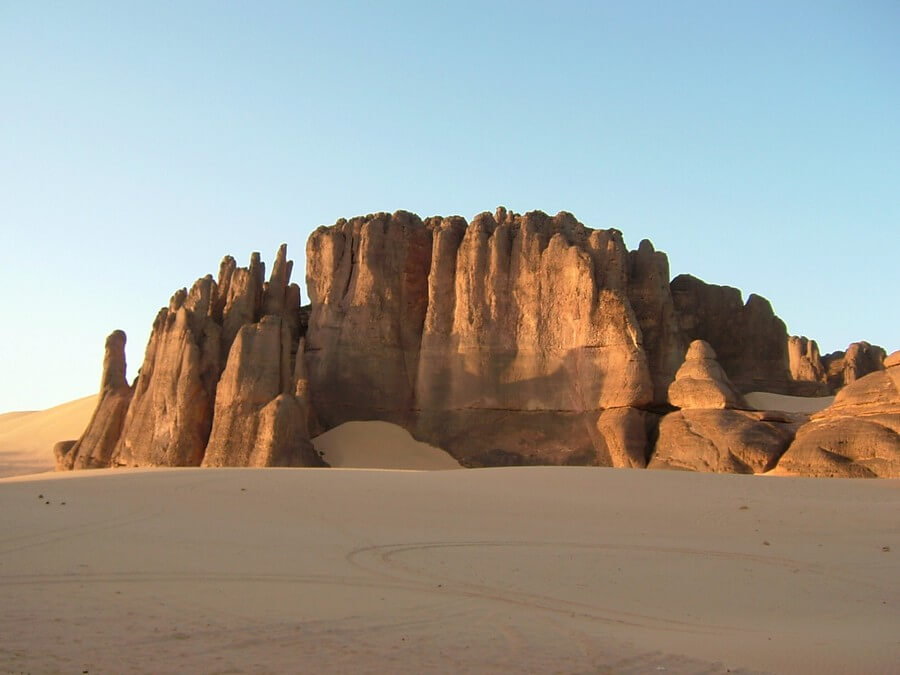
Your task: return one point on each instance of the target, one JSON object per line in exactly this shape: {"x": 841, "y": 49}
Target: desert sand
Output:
{"x": 763, "y": 400}
{"x": 536, "y": 569}
{"x": 379, "y": 445}
{"x": 27, "y": 438}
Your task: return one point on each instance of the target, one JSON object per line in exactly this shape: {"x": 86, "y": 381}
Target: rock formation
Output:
{"x": 701, "y": 383}
{"x": 709, "y": 433}
{"x": 254, "y": 403}
{"x": 518, "y": 327}
{"x": 806, "y": 367}
{"x": 751, "y": 342}
{"x": 168, "y": 421}
{"x": 651, "y": 299}
{"x": 513, "y": 339}
{"x": 95, "y": 447}
{"x": 858, "y": 435}
{"x": 859, "y": 360}
{"x": 260, "y": 409}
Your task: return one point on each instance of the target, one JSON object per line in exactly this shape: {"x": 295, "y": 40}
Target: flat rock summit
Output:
{"x": 509, "y": 340}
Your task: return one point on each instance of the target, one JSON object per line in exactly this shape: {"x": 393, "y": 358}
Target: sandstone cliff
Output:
{"x": 513, "y": 339}
{"x": 501, "y": 341}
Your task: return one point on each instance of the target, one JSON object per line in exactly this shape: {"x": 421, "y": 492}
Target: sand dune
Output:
{"x": 763, "y": 400}
{"x": 379, "y": 445}
{"x": 542, "y": 569}
{"x": 27, "y": 438}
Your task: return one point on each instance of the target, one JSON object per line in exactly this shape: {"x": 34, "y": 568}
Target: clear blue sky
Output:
{"x": 757, "y": 143}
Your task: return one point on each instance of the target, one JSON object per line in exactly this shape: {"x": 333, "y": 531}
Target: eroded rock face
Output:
{"x": 750, "y": 341}
{"x": 367, "y": 282}
{"x": 651, "y": 299}
{"x": 860, "y": 359}
{"x": 858, "y": 435}
{"x": 260, "y": 409}
{"x": 516, "y": 339}
{"x": 518, "y": 326}
{"x": 701, "y": 383}
{"x": 168, "y": 419}
{"x": 95, "y": 447}
{"x": 807, "y": 369}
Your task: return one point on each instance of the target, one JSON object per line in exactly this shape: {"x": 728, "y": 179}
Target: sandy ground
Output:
{"x": 379, "y": 445}
{"x": 27, "y": 438}
{"x": 763, "y": 400}
{"x": 536, "y": 569}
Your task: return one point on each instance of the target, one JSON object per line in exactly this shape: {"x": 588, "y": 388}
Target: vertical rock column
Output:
{"x": 95, "y": 447}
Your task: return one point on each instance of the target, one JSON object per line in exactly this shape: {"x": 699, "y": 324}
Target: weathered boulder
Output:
{"x": 95, "y": 447}
{"x": 708, "y": 434}
{"x": 701, "y": 383}
{"x": 750, "y": 341}
{"x": 856, "y": 436}
{"x": 260, "y": 409}
{"x": 860, "y": 359}
{"x": 62, "y": 455}
{"x": 721, "y": 441}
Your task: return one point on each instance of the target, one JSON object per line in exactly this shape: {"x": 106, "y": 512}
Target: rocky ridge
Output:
{"x": 513, "y": 339}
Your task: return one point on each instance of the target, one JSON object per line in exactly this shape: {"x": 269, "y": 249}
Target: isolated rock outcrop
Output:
{"x": 95, "y": 447}
{"x": 856, "y": 436}
{"x": 709, "y": 433}
{"x": 513, "y": 339}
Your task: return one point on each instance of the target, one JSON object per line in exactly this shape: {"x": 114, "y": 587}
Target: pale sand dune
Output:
{"x": 27, "y": 438}
{"x": 539, "y": 569}
{"x": 379, "y": 445}
{"x": 763, "y": 400}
